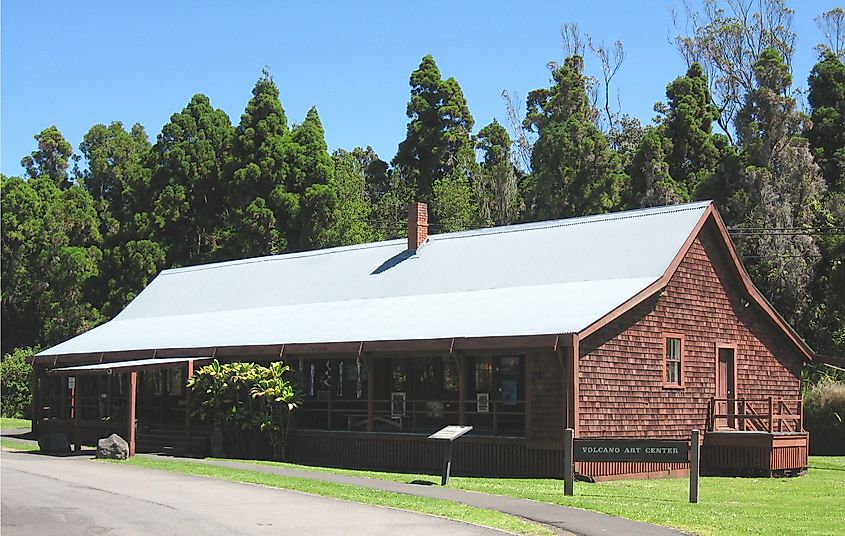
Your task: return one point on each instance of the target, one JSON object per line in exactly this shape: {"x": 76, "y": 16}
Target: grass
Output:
{"x": 438, "y": 507}
{"x": 765, "y": 506}
{"x": 14, "y": 444}
{"x": 11, "y": 423}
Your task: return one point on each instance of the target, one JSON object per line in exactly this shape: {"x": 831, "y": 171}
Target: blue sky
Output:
{"x": 76, "y": 64}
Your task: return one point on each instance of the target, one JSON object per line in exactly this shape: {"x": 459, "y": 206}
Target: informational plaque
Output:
{"x": 447, "y": 436}
{"x": 450, "y": 432}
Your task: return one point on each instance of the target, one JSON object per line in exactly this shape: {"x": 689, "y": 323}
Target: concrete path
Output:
{"x": 571, "y": 520}
{"x": 562, "y": 519}
{"x": 73, "y": 495}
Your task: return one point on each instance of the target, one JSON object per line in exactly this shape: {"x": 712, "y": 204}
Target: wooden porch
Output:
{"x": 755, "y": 437}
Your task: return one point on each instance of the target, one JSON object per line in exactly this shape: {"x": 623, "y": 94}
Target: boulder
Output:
{"x": 113, "y": 447}
{"x": 54, "y": 442}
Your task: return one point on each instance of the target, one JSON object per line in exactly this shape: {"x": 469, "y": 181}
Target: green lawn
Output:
{"x": 438, "y": 507}
{"x": 806, "y": 505}
{"x": 11, "y": 423}
{"x": 15, "y": 444}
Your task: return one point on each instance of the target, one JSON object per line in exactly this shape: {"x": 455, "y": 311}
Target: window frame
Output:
{"x": 681, "y": 384}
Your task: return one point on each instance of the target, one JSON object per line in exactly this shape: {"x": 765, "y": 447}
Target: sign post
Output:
{"x": 694, "y": 465}
{"x": 568, "y": 465}
{"x": 447, "y": 435}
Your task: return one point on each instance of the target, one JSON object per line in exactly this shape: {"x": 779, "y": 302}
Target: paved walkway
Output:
{"x": 572, "y": 520}
{"x": 563, "y": 519}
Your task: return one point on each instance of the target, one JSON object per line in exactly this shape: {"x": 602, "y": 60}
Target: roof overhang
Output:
{"x": 124, "y": 366}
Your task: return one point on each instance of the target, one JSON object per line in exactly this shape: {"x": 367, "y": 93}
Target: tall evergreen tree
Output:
{"x": 438, "y": 135}
{"x": 574, "y": 171}
{"x": 313, "y": 199}
{"x": 782, "y": 188}
{"x": 118, "y": 179}
{"x": 497, "y": 188}
{"x": 51, "y": 159}
{"x": 827, "y": 134}
{"x": 256, "y": 175}
{"x": 48, "y": 258}
{"x": 188, "y": 160}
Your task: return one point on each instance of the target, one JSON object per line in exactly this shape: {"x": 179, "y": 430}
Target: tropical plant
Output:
{"x": 245, "y": 398}
{"x": 15, "y": 390}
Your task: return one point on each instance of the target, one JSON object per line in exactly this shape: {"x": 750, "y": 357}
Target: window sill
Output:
{"x": 673, "y": 386}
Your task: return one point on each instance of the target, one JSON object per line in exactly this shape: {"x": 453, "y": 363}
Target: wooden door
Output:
{"x": 726, "y": 388}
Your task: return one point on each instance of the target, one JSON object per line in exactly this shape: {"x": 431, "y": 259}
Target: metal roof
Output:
{"x": 530, "y": 279}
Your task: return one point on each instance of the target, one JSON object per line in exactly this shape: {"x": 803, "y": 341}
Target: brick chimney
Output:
{"x": 417, "y": 225}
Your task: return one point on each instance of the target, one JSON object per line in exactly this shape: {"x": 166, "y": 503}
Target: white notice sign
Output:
{"x": 450, "y": 432}
{"x": 71, "y": 382}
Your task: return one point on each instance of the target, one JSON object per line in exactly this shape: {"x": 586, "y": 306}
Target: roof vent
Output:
{"x": 417, "y": 225}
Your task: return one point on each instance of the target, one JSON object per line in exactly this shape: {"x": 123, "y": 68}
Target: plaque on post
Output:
{"x": 447, "y": 435}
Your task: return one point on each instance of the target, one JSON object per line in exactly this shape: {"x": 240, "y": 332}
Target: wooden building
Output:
{"x": 638, "y": 324}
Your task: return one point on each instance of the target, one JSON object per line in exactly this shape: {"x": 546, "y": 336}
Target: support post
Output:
{"x": 189, "y": 372}
{"x": 447, "y": 462}
{"x": 568, "y": 465}
{"x": 462, "y": 390}
{"x": 571, "y": 384}
{"x": 77, "y": 436}
{"x": 771, "y": 414}
{"x": 133, "y": 395}
{"x": 371, "y": 390}
{"x": 694, "y": 465}
{"x": 36, "y": 398}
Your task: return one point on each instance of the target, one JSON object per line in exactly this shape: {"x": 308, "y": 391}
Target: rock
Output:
{"x": 54, "y": 442}
{"x": 113, "y": 447}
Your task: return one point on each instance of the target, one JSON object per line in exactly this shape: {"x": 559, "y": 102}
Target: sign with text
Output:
{"x": 450, "y": 432}
{"x": 630, "y": 450}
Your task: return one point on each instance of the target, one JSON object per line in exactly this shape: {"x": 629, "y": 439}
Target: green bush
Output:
{"x": 824, "y": 416}
{"x": 15, "y": 377}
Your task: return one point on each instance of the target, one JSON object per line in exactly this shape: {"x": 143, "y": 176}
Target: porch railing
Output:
{"x": 755, "y": 414}
{"x": 413, "y": 416}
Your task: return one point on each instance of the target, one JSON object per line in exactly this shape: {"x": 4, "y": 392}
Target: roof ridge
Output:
{"x": 579, "y": 220}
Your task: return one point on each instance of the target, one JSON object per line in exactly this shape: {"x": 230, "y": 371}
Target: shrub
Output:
{"x": 824, "y": 416}
{"x": 15, "y": 378}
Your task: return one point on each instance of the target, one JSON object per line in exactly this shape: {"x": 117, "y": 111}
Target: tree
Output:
{"x": 187, "y": 162}
{"x": 51, "y": 159}
{"x": 727, "y": 42}
{"x": 48, "y": 259}
{"x": 454, "y": 204}
{"x": 438, "y": 135}
{"x": 827, "y": 133}
{"x": 782, "y": 187}
{"x": 15, "y": 388}
{"x": 832, "y": 25}
{"x": 350, "y": 222}
{"x": 118, "y": 179}
{"x": 677, "y": 160}
{"x": 497, "y": 189}
{"x": 574, "y": 171}
{"x": 313, "y": 199}
{"x": 262, "y": 153}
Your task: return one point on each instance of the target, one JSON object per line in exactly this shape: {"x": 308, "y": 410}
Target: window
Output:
{"x": 673, "y": 350}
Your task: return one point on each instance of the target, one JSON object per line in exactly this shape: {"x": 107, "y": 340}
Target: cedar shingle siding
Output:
{"x": 621, "y": 368}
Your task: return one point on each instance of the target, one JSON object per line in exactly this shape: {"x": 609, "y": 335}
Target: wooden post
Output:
{"x": 771, "y": 414}
{"x": 462, "y": 417}
{"x": 133, "y": 395}
{"x": 77, "y": 436}
{"x": 571, "y": 384}
{"x": 695, "y": 461}
{"x": 189, "y": 372}
{"x": 371, "y": 390}
{"x": 447, "y": 462}
{"x": 36, "y": 398}
{"x": 568, "y": 465}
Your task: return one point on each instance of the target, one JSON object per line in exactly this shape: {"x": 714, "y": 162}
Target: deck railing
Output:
{"x": 772, "y": 415}
{"x": 500, "y": 417}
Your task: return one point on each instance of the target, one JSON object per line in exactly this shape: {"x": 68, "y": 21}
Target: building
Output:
{"x": 638, "y": 324}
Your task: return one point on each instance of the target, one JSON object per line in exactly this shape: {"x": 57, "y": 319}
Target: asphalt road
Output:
{"x": 73, "y": 495}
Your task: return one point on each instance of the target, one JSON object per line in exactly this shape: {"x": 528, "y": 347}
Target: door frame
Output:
{"x": 726, "y": 423}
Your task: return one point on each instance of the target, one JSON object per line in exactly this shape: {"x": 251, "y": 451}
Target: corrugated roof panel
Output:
{"x": 548, "y": 277}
